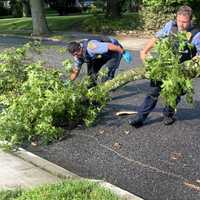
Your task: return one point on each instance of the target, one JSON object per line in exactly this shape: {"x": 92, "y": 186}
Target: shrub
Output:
{"x": 156, "y": 13}
{"x": 101, "y": 24}
{"x": 155, "y": 17}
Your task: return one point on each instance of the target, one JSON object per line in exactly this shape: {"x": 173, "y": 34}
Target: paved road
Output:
{"x": 155, "y": 162}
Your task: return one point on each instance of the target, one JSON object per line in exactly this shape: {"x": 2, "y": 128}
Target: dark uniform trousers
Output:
{"x": 112, "y": 63}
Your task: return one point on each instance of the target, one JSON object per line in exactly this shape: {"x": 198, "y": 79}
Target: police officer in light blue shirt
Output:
{"x": 97, "y": 52}
{"x": 172, "y": 27}
{"x": 183, "y": 22}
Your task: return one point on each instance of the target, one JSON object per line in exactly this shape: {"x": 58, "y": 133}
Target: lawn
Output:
{"x": 55, "y": 23}
{"x": 81, "y": 22}
{"x": 68, "y": 190}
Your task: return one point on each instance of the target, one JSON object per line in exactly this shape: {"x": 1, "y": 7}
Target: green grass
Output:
{"x": 10, "y": 194}
{"x": 68, "y": 190}
{"x": 83, "y": 22}
{"x": 15, "y": 24}
{"x": 55, "y": 23}
{"x": 66, "y": 23}
{"x": 51, "y": 12}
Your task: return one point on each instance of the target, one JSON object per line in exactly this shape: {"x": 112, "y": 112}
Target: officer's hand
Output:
{"x": 127, "y": 56}
{"x": 196, "y": 58}
{"x": 74, "y": 74}
{"x": 143, "y": 55}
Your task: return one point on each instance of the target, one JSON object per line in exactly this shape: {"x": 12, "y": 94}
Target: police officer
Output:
{"x": 182, "y": 23}
{"x": 97, "y": 52}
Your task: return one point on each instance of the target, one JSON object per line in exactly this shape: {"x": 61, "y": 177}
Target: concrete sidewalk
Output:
{"x": 16, "y": 172}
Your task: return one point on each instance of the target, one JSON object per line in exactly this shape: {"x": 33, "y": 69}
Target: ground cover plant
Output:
{"x": 67, "y": 190}
{"x": 10, "y": 194}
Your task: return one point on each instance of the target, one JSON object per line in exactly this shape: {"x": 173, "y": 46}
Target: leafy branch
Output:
{"x": 164, "y": 66}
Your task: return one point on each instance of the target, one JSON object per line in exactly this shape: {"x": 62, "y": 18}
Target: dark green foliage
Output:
{"x": 63, "y": 7}
{"x": 157, "y": 12}
{"x": 102, "y": 24}
{"x": 3, "y": 11}
{"x": 16, "y": 8}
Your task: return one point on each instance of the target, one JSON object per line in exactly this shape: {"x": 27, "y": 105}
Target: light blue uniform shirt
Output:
{"x": 167, "y": 30}
{"x": 95, "y": 49}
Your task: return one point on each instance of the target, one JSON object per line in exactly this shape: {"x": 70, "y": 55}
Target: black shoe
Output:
{"x": 169, "y": 120}
{"x": 136, "y": 121}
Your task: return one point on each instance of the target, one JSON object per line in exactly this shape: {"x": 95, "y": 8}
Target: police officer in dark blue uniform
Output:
{"x": 97, "y": 52}
{"x": 182, "y": 23}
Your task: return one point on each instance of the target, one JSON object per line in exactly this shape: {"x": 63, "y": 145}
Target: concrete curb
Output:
{"x": 44, "y": 164}
{"x": 123, "y": 194}
{"x": 65, "y": 174}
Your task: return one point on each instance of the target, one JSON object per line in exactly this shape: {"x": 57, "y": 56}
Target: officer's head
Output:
{"x": 75, "y": 49}
{"x": 183, "y": 18}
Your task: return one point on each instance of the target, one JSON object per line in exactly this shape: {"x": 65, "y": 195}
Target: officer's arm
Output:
{"x": 150, "y": 44}
{"x": 196, "y": 43}
{"x": 76, "y": 68}
{"x": 165, "y": 31}
{"x": 112, "y": 47}
{"x": 74, "y": 74}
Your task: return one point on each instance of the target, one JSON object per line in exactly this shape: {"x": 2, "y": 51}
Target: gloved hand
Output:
{"x": 127, "y": 56}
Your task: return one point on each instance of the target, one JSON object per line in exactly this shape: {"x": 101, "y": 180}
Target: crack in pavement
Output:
{"x": 132, "y": 160}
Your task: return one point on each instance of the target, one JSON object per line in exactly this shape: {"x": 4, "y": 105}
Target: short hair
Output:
{"x": 185, "y": 10}
{"x": 73, "y": 47}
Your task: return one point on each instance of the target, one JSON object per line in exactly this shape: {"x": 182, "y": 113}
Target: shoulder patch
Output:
{"x": 188, "y": 35}
{"x": 92, "y": 45}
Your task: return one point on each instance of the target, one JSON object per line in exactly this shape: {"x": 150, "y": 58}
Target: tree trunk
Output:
{"x": 40, "y": 26}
